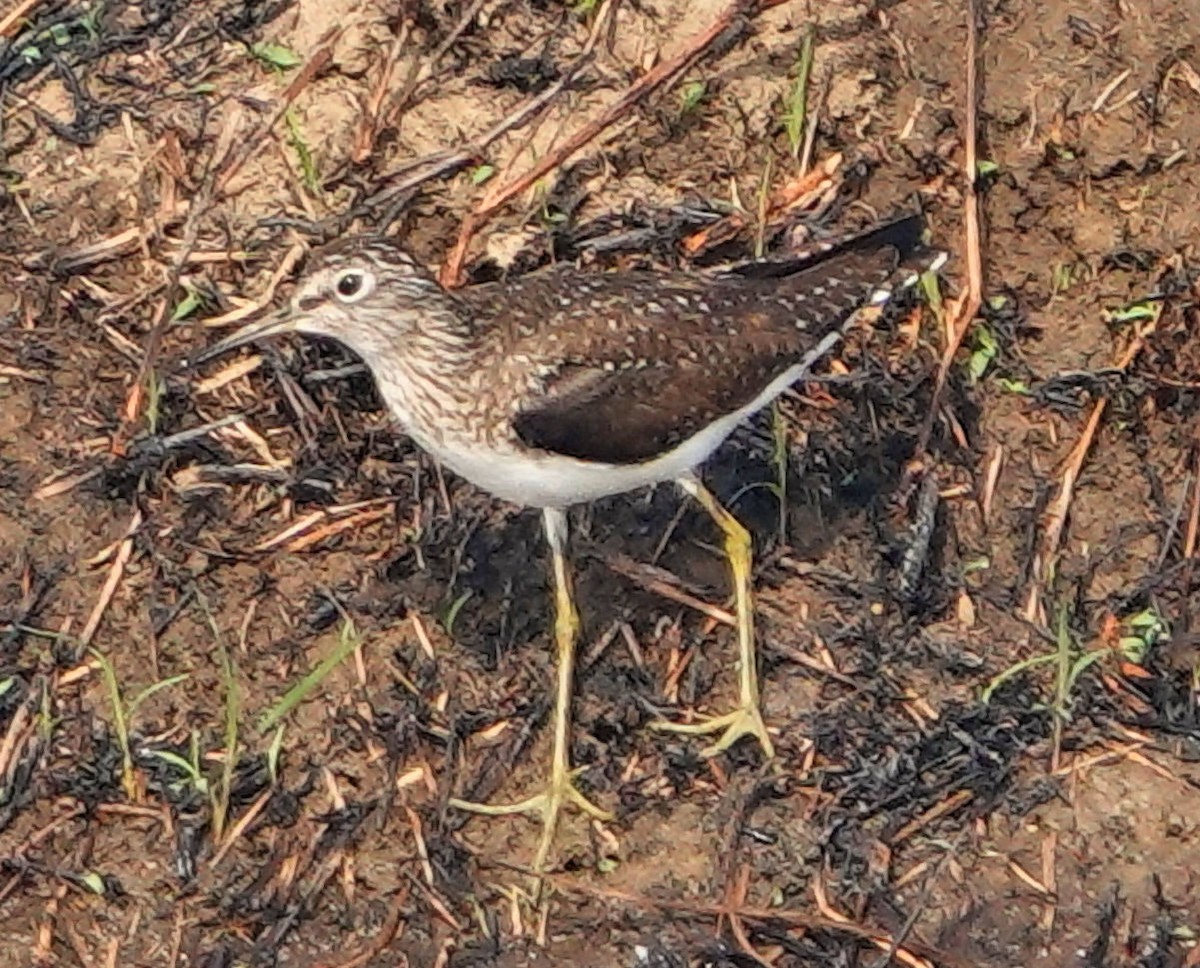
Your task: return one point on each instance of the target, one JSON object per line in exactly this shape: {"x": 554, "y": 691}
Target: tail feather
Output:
{"x": 904, "y": 236}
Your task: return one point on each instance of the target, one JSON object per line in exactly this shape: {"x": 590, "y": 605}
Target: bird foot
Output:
{"x": 560, "y": 791}
{"x": 743, "y": 721}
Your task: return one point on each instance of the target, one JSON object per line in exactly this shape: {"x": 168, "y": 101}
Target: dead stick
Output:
{"x": 115, "y": 572}
{"x": 211, "y": 190}
{"x": 19, "y": 12}
{"x": 656, "y": 77}
{"x": 250, "y": 144}
{"x": 445, "y": 162}
{"x": 1056, "y": 518}
{"x": 965, "y": 307}
{"x": 369, "y": 123}
{"x": 795, "y": 919}
{"x": 1189, "y": 544}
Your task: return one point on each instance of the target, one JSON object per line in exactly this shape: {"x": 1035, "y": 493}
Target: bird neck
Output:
{"x": 424, "y": 373}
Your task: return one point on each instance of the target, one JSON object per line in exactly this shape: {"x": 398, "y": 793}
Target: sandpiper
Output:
{"x": 557, "y": 387}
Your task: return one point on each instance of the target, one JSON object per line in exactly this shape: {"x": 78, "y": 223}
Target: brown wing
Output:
{"x": 634, "y": 415}
{"x": 636, "y": 363}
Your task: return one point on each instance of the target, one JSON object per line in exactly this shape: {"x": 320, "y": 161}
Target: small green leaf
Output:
{"x": 175, "y": 760}
{"x": 191, "y": 301}
{"x": 453, "y": 610}
{"x": 276, "y": 55}
{"x": 93, "y": 882}
{"x": 308, "y": 166}
{"x": 348, "y": 641}
{"x": 931, "y": 289}
{"x": 1133, "y": 313}
{"x": 1061, "y": 277}
{"x": 31, "y": 54}
{"x": 151, "y": 689}
{"x": 273, "y": 752}
{"x": 205, "y": 88}
{"x": 189, "y": 770}
{"x": 90, "y": 21}
{"x": 984, "y": 168}
{"x": 1133, "y": 648}
{"x": 1147, "y": 619}
{"x": 691, "y": 95}
{"x": 1014, "y": 386}
{"x": 984, "y": 352}
{"x": 1014, "y": 670}
{"x": 481, "y": 173}
{"x": 60, "y": 34}
{"x": 1083, "y": 662}
{"x": 795, "y": 115}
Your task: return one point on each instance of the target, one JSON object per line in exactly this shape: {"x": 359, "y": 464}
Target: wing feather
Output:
{"x": 636, "y": 363}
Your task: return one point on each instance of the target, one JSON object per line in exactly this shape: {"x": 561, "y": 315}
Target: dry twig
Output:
{"x": 14, "y": 17}
{"x": 652, "y": 80}
{"x": 1056, "y": 517}
{"x": 962, "y": 311}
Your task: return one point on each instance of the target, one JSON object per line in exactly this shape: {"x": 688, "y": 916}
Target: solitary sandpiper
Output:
{"x": 558, "y": 387}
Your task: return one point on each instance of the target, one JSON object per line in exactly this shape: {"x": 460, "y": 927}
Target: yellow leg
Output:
{"x": 746, "y": 719}
{"x": 561, "y": 788}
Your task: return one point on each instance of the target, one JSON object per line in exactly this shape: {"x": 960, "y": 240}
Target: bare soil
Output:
{"x": 150, "y": 172}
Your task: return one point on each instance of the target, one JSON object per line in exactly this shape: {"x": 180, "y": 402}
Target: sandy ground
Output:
{"x": 171, "y": 162}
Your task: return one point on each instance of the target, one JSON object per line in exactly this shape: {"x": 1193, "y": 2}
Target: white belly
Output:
{"x": 545, "y": 480}
{"x": 542, "y": 480}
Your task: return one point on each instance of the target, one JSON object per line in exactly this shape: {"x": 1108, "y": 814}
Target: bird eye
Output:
{"x": 351, "y": 285}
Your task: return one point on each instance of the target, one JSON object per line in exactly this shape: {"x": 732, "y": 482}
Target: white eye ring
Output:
{"x": 351, "y": 285}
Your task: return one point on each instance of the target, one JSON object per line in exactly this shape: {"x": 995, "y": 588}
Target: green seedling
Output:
{"x": 123, "y": 714}
{"x": 1140, "y": 633}
{"x": 348, "y": 641}
{"x": 90, "y": 20}
{"x": 482, "y": 173}
{"x": 304, "y": 155}
{"x": 1070, "y": 663}
{"x": 154, "y": 395}
{"x": 1062, "y": 277}
{"x": 192, "y": 300}
{"x": 762, "y": 211}
{"x": 233, "y": 706}
{"x": 984, "y": 351}
{"x": 453, "y": 610}
{"x": 691, "y": 96}
{"x": 795, "y": 113}
{"x": 89, "y": 881}
{"x": 276, "y": 56}
{"x": 189, "y": 766}
{"x": 273, "y": 753}
{"x": 1137, "y": 312}
{"x": 930, "y": 287}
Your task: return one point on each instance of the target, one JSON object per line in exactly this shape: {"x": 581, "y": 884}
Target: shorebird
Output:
{"x": 556, "y": 388}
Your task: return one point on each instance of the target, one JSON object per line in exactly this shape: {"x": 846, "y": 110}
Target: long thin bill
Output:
{"x": 282, "y": 321}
